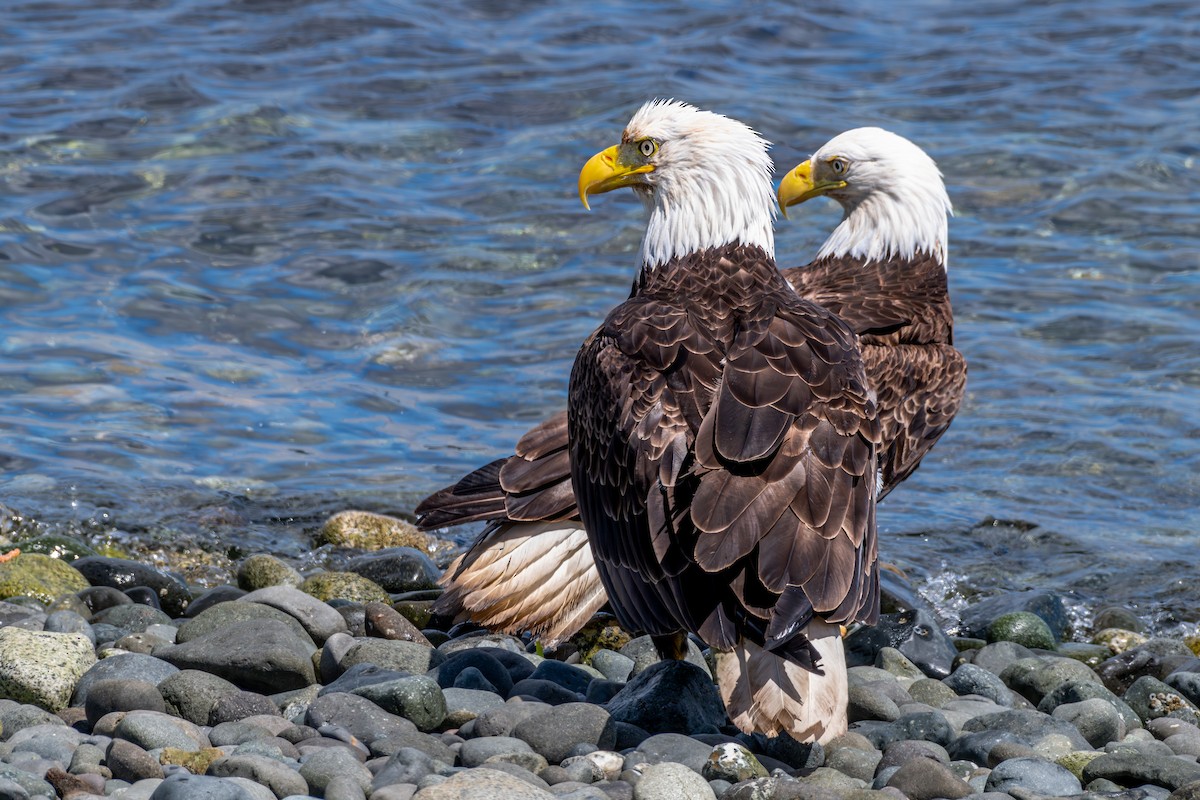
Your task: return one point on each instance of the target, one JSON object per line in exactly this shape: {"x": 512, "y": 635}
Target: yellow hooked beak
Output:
{"x": 606, "y": 171}
{"x": 798, "y": 186}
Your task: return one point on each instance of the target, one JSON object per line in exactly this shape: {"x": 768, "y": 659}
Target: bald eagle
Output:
{"x": 722, "y": 435}
{"x": 883, "y": 271}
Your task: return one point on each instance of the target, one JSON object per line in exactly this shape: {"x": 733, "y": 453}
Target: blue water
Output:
{"x": 261, "y": 260}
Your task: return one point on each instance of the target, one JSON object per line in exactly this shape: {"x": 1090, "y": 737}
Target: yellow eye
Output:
{"x": 838, "y": 165}
{"x": 647, "y": 147}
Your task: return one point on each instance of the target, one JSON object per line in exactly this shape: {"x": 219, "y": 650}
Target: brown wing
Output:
{"x": 919, "y": 390}
{"x": 744, "y": 521}
{"x": 533, "y": 485}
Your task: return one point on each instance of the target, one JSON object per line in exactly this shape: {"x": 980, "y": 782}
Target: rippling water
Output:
{"x": 261, "y": 260}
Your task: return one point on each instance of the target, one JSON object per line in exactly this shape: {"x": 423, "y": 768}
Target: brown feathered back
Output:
{"x": 722, "y": 439}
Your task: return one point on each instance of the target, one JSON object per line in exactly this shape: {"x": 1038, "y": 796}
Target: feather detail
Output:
{"x": 765, "y": 693}
{"x": 536, "y": 577}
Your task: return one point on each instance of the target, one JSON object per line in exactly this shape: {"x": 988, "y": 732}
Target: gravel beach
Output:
{"x": 120, "y": 680}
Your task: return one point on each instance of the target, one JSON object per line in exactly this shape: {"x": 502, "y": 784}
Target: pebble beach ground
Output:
{"x": 120, "y": 680}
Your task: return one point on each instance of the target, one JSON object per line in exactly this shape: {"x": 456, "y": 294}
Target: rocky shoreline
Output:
{"x": 120, "y": 680}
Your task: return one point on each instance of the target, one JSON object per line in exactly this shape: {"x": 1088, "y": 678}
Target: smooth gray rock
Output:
{"x": 483, "y": 783}
{"x": 281, "y": 779}
{"x": 192, "y": 694}
{"x": 463, "y": 705}
{"x": 475, "y": 752}
{"x": 151, "y": 729}
{"x": 1134, "y": 769}
{"x": 1026, "y": 727}
{"x": 672, "y": 747}
{"x": 389, "y": 654}
{"x": 406, "y": 765}
{"x": 669, "y": 781}
{"x": 318, "y": 618}
{"x": 615, "y": 666}
{"x": 926, "y": 779}
{"x": 973, "y": 679}
{"x": 358, "y": 715}
{"x": 417, "y": 698}
{"x": 185, "y": 786}
{"x": 555, "y": 731}
{"x": 320, "y": 767}
{"x": 1076, "y": 691}
{"x": 124, "y": 666}
{"x": 122, "y": 695}
{"x": 225, "y": 614}
{"x": 1034, "y": 678}
{"x": 500, "y": 720}
{"x": 1034, "y": 775}
{"x": 1096, "y": 719}
{"x": 259, "y": 655}
{"x": 867, "y": 701}
{"x": 129, "y": 762}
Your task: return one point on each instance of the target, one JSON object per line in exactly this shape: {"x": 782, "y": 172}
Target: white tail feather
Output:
{"x": 532, "y": 576}
{"x": 765, "y": 693}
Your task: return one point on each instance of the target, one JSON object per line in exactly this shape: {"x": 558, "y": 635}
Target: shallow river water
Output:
{"x": 261, "y": 260}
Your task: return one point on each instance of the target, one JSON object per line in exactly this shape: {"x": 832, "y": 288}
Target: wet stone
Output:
{"x": 914, "y": 633}
{"x": 1034, "y": 678}
{"x": 670, "y": 696}
{"x": 397, "y": 569}
{"x": 173, "y": 594}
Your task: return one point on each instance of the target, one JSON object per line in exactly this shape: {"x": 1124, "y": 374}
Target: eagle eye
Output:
{"x": 647, "y": 147}
{"x": 839, "y": 165}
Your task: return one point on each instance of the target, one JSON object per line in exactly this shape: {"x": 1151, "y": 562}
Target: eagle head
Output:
{"x": 706, "y": 179}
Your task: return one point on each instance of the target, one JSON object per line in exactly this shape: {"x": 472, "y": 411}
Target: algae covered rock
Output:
{"x": 262, "y": 570}
{"x": 1024, "y": 628}
{"x": 346, "y": 585}
{"x": 369, "y": 531}
{"x": 39, "y": 576}
{"x": 42, "y": 668}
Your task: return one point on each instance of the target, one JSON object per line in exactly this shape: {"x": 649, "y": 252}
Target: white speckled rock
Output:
{"x": 670, "y": 781}
{"x": 42, "y": 668}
